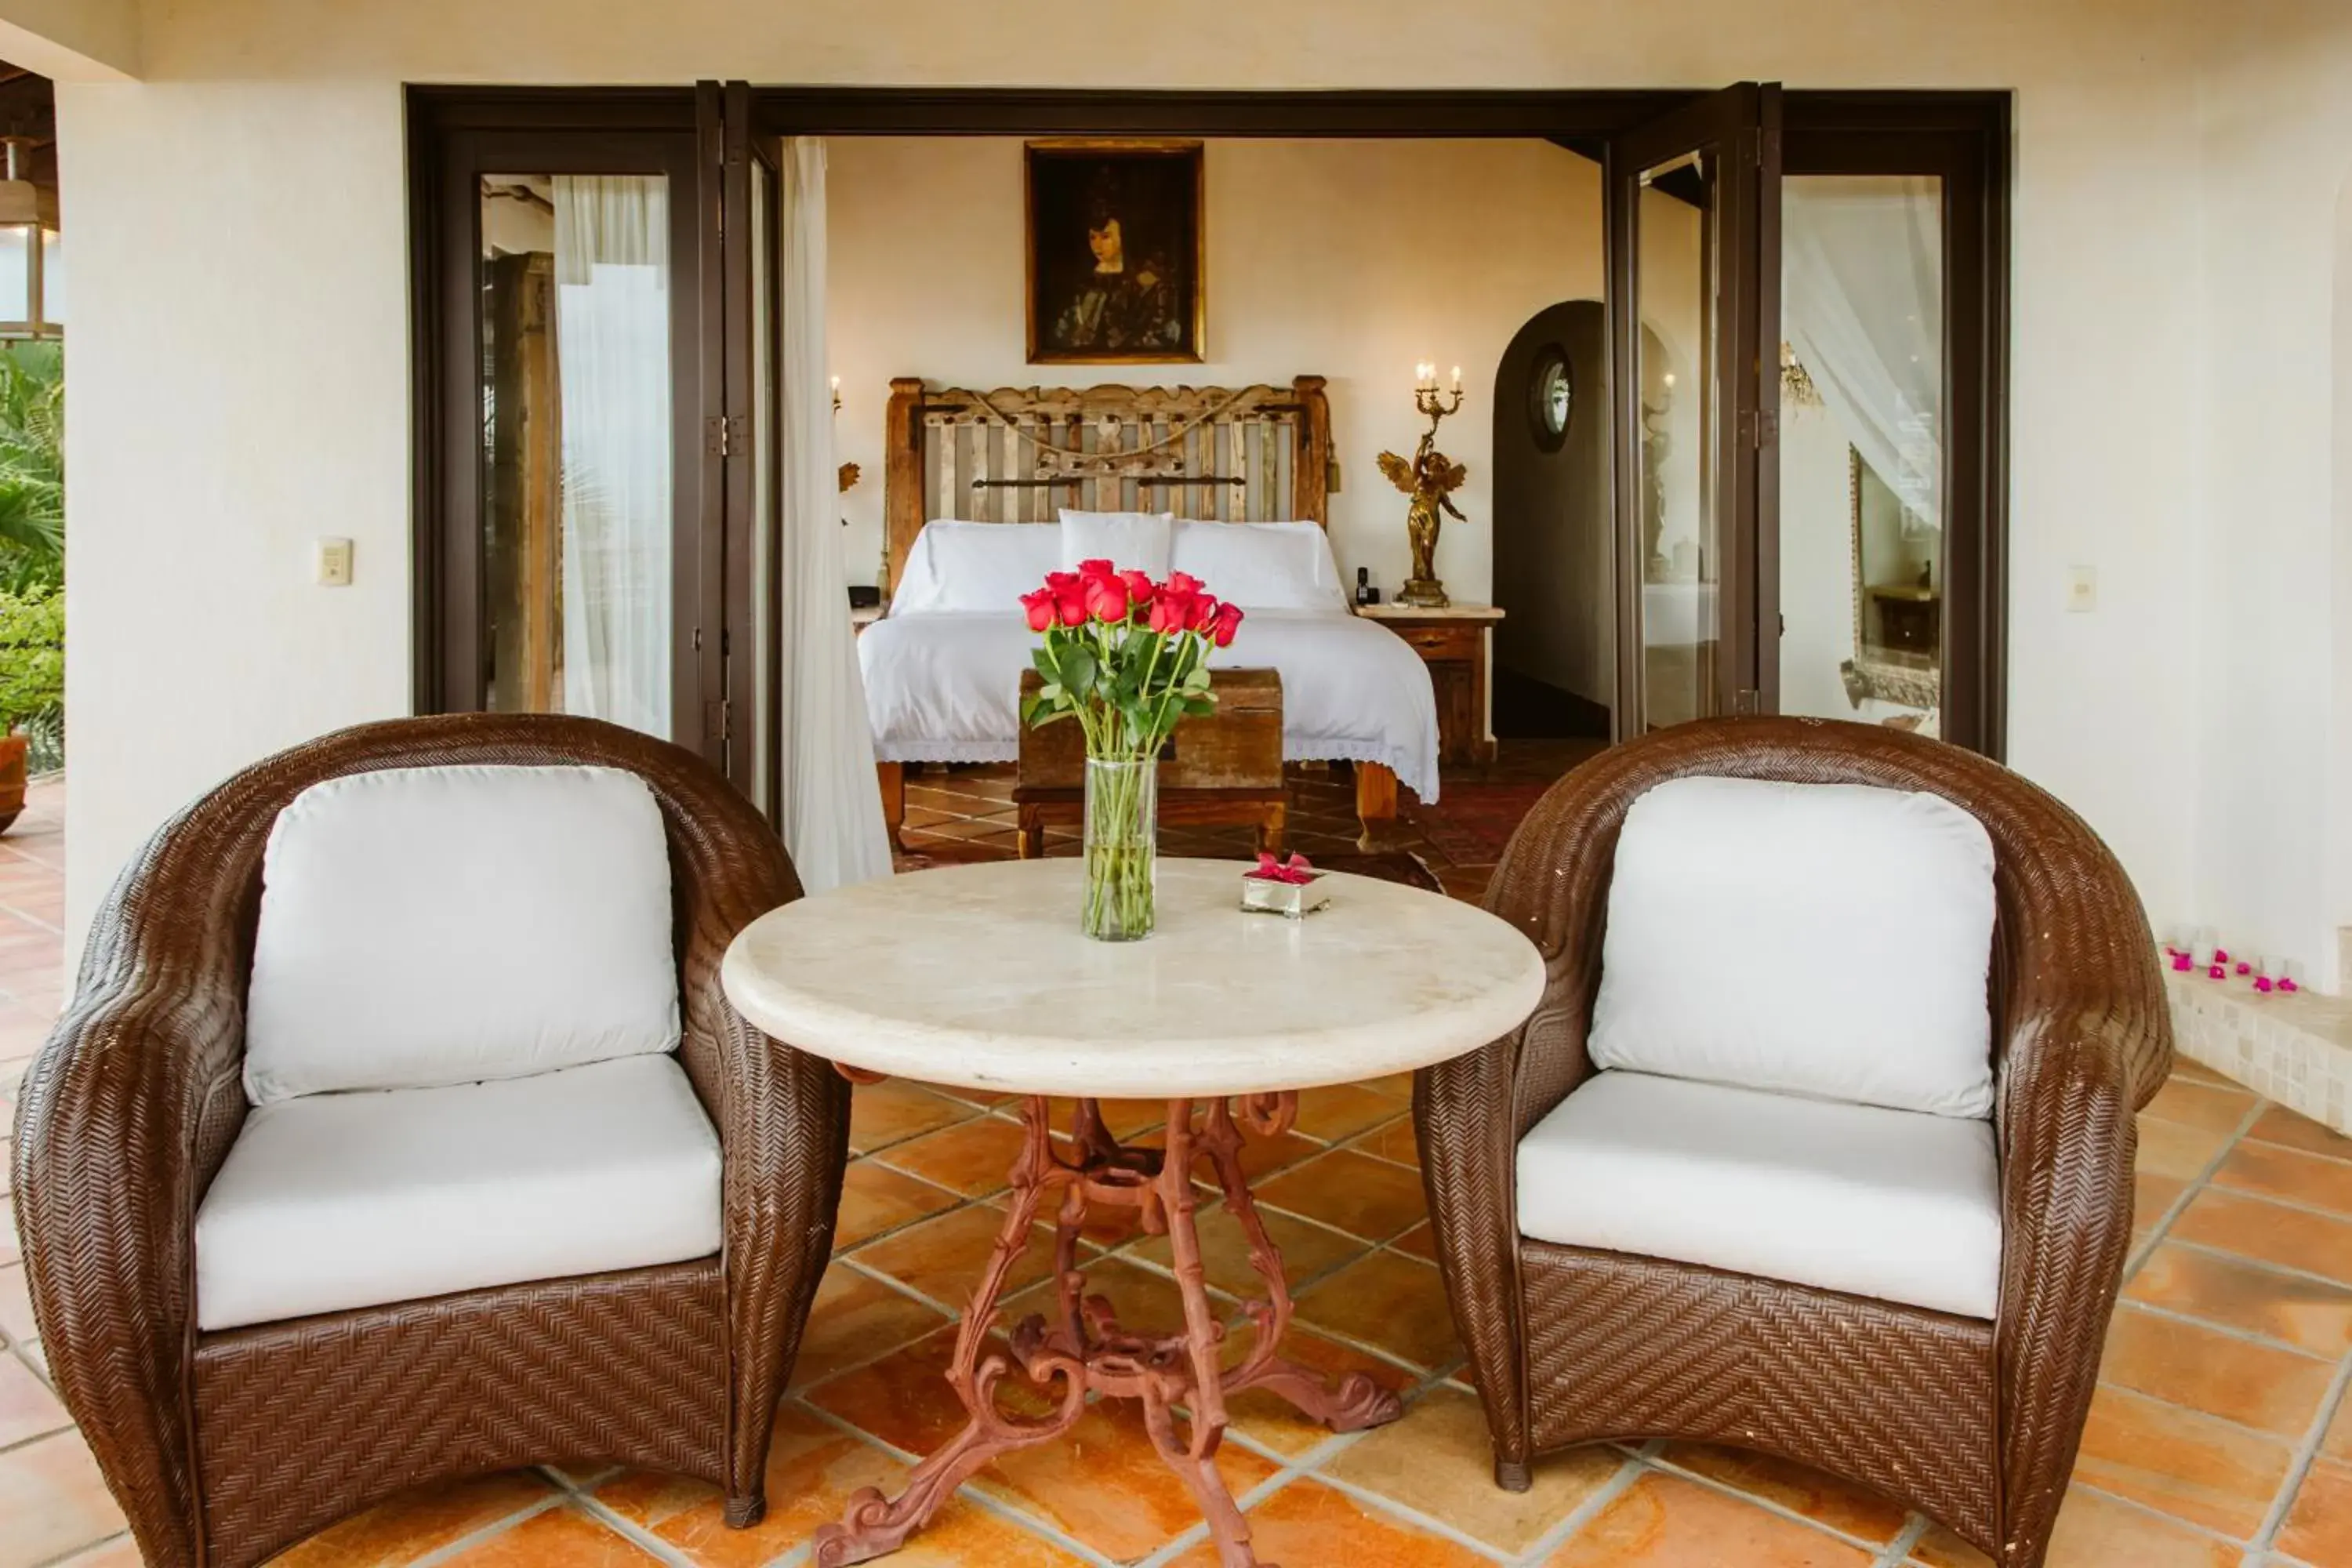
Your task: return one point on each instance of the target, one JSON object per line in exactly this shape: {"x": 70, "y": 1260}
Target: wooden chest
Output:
{"x": 1226, "y": 767}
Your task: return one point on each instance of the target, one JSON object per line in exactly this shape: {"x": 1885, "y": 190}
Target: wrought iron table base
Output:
{"x": 1087, "y": 1350}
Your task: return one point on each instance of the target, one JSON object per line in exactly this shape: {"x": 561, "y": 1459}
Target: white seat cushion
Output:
{"x": 1896, "y": 1204}
{"x": 334, "y": 1201}
{"x": 1830, "y": 940}
{"x": 426, "y": 926}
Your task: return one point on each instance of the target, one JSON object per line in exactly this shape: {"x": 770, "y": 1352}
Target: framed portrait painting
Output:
{"x": 1115, "y": 252}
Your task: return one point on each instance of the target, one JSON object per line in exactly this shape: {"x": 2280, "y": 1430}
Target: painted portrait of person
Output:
{"x": 1113, "y": 249}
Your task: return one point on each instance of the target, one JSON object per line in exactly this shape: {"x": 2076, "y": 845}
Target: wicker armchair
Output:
{"x": 1975, "y": 1423}
{"x": 226, "y": 1446}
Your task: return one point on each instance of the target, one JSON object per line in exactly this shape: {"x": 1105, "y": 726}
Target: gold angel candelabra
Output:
{"x": 1430, "y": 480}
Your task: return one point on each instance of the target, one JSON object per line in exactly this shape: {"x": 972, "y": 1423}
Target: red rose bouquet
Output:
{"x": 1127, "y": 657}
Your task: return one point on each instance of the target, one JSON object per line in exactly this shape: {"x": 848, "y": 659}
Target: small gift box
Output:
{"x": 1282, "y": 887}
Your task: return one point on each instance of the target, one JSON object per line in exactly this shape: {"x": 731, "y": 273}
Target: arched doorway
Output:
{"x": 1555, "y": 671}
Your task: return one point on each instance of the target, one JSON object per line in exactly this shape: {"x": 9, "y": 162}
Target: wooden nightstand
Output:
{"x": 1457, "y": 644}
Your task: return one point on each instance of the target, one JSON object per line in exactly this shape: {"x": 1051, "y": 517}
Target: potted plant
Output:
{"x": 32, "y": 683}
{"x": 1127, "y": 657}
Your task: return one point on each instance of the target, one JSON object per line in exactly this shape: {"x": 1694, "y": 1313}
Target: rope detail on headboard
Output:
{"x": 1251, "y": 454}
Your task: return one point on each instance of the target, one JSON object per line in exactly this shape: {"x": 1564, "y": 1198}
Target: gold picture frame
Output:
{"x": 1115, "y": 243}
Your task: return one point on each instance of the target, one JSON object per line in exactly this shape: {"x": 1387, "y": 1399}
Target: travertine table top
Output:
{"x": 976, "y": 976}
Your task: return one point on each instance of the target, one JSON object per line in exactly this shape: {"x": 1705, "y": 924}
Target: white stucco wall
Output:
{"x": 240, "y": 385}
{"x": 1322, "y": 260}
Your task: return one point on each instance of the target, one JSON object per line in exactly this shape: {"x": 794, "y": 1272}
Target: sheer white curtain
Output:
{"x": 832, "y": 806}
{"x": 611, "y": 277}
{"x": 1862, "y": 304}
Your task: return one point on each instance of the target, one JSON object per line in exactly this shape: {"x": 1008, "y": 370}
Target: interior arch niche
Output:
{"x": 1555, "y": 672}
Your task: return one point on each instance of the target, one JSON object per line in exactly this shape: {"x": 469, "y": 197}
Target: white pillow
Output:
{"x": 1261, "y": 565}
{"x": 1827, "y": 940}
{"x": 429, "y": 926}
{"x": 975, "y": 567}
{"x": 1129, "y": 540}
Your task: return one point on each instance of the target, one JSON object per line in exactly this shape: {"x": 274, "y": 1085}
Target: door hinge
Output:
{"x": 1767, "y": 429}
{"x": 1747, "y": 699}
{"x": 719, "y": 720}
{"x": 723, "y": 434}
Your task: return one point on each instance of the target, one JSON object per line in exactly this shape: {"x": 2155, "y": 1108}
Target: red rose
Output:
{"x": 1228, "y": 621}
{"x": 1040, "y": 607}
{"x": 1106, "y": 599}
{"x": 1183, "y": 583}
{"x": 1203, "y": 614}
{"x": 1070, "y": 604}
{"x": 1174, "y": 611}
{"x": 1097, "y": 569}
{"x": 1140, "y": 588}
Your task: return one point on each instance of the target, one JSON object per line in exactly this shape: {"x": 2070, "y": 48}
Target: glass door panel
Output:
{"x": 564, "y": 541}
{"x": 1682, "y": 542}
{"x": 1690, "y": 198}
{"x": 1864, "y": 440}
{"x": 748, "y": 240}
{"x": 576, "y": 452}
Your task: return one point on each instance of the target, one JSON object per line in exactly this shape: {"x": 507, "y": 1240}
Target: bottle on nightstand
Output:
{"x": 1365, "y": 593}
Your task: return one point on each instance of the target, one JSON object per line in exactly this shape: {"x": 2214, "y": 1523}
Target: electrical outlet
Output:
{"x": 2082, "y": 589}
{"x": 335, "y": 563}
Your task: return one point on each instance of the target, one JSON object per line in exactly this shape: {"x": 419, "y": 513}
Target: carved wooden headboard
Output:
{"x": 1250, "y": 454}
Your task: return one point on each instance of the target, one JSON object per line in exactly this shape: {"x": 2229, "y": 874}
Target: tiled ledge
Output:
{"x": 2293, "y": 1048}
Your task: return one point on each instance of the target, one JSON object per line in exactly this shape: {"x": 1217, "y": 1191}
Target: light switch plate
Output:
{"x": 335, "y": 563}
{"x": 2082, "y": 589}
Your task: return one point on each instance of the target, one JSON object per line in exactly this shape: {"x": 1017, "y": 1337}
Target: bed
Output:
{"x": 976, "y": 486}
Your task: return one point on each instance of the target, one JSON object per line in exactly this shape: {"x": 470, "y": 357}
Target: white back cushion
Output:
{"x": 1129, "y": 540}
{"x": 1261, "y": 565}
{"x": 429, "y": 926}
{"x": 976, "y": 567}
{"x": 1829, "y": 940}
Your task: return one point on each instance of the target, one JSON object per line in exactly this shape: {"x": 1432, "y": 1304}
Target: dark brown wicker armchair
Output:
{"x": 1974, "y": 1423}
{"x": 225, "y": 1447}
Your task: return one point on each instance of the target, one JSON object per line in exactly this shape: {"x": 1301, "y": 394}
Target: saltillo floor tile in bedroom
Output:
{"x": 2222, "y": 1435}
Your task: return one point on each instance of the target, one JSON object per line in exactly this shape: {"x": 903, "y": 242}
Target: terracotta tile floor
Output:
{"x": 2221, "y": 1437}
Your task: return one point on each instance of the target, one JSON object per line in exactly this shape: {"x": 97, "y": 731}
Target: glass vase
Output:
{"x": 1120, "y": 838}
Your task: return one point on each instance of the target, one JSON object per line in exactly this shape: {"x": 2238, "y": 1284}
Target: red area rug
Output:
{"x": 1471, "y": 823}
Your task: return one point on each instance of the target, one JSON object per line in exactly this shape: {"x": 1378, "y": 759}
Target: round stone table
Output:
{"x": 976, "y": 976}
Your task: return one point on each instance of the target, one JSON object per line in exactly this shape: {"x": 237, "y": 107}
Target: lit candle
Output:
{"x": 1457, "y": 381}
{"x": 836, "y": 387}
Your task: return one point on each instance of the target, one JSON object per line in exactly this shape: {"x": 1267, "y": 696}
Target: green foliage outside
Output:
{"x": 32, "y": 547}
{"x": 32, "y": 660}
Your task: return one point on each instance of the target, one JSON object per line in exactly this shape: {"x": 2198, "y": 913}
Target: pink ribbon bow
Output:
{"x": 1294, "y": 869}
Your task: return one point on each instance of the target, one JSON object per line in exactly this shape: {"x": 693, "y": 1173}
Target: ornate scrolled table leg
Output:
{"x": 1086, "y": 1349}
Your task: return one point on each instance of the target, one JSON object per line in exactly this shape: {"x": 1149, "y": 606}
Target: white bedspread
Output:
{"x": 945, "y": 688}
